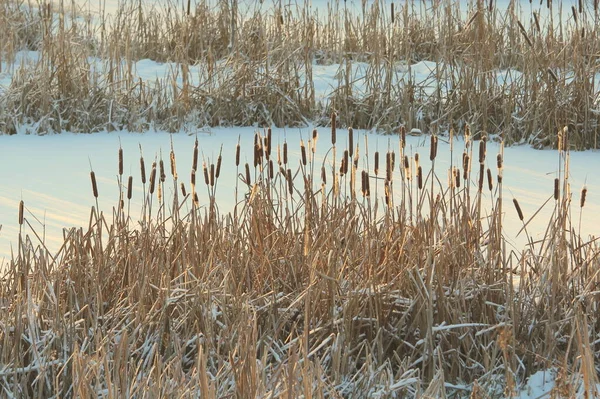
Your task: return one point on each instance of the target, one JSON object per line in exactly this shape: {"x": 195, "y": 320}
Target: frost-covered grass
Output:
{"x": 517, "y": 69}
{"x": 342, "y": 275}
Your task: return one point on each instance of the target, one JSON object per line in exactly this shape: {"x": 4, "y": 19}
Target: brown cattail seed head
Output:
{"x": 433, "y": 147}
{"x": 350, "y": 141}
{"x": 456, "y": 174}
{"x": 290, "y": 182}
{"x": 129, "y": 187}
{"x": 323, "y": 175}
{"x": 518, "y": 208}
{"x": 271, "y": 172}
{"x": 489, "y": 179}
{"x": 402, "y": 137}
{"x": 162, "y": 171}
{"x": 195, "y": 159}
{"x": 193, "y": 177}
{"x": 237, "y": 154}
{"x": 285, "y": 153}
{"x": 269, "y": 142}
{"x": 333, "y": 121}
{"x": 143, "y": 170}
{"x": 173, "y": 165}
{"x": 94, "y": 185}
{"x": 120, "y": 162}
{"x": 420, "y": 177}
{"x": 466, "y": 168}
{"x": 212, "y": 174}
{"x": 556, "y": 189}
{"x": 218, "y": 171}
{"x": 21, "y": 206}
{"x": 152, "y": 177}
{"x": 303, "y": 152}
{"x": 247, "y": 174}
{"x": 205, "y": 170}
{"x": 376, "y": 163}
{"x": 499, "y": 161}
{"x": 482, "y": 151}
{"x": 583, "y": 195}
{"x": 481, "y": 176}
{"x": 345, "y": 163}
{"x": 183, "y": 189}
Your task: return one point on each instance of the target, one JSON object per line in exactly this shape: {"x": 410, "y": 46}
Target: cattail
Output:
{"x": 94, "y": 185}
{"x": 466, "y": 166}
{"x": 388, "y": 167}
{"x": 524, "y": 33}
{"x": 195, "y": 159}
{"x": 456, "y": 174}
{"x": 363, "y": 181}
{"x": 386, "y": 187}
{"x": 499, "y": 161}
{"x": 269, "y": 142}
{"x": 290, "y": 182}
{"x": 196, "y": 199}
{"x": 433, "y": 147}
{"x": 315, "y": 136}
{"x": 350, "y": 141}
{"x": 356, "y": 157}
{"x": 129, "y": 187}
{"x": 376, "y": 163}
{"x": 173, "y": 165}
{"x": 323, "y": 175}
{"x": 489, "y": 179}
{"x": 122, "y": 203}
{"x": 303, "y": 152}
{"x": 574, "y": 14}
{"x": 481, "y": 174}
{"x": 285, "y": 153}
{"x": 420, "y": 177}
{"x": 205, "y": 170}
{"x": 392, "y": 12}
{"x": 218, "y": 171}
{"x": 417, "y": 160}
{"x": 537, "y": 21}
{"x": 162, "y": 171}
{"x": 368, "y": 184}
{"x": 247, "y": 174}
{"x": 333, "y": 118}
{"x": 393, "y": 160}
{"x": 406, "y": 167}
{"x": 193, "y": 178}
{"x": 237, "y": 154}
{"x": 271, "y": 173}
{"x": 402, "y": 137}
{"x": 183, "y": 189}
{"x": 212, "y": 174}
{"x": 143, "y": 170}
{"x": 21, "y": 206}
{"x": 152, "y": 177}
{"x": 583, "y": 195}
{"x": 345, "y": 163}
{"x": 518, "y": 208}
{"x": 580, "y": 6}
{"x": 256, "y": 151}
{"x": 120, "y": 162}
{"x": 556, "y": 189}
{"x": 482, "y": 151}
{"x": 565, "y": 139}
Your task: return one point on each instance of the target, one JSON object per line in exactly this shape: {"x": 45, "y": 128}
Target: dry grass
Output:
{"x": 526, "y": 79}
{"x": 310, "y": 287}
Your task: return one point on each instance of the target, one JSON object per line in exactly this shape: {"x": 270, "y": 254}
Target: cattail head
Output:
{"x": 218, "y": 171}
{"x": 152, "y": 177}
{"x": 376, "y": 163}
{"x": 481, "y": 176}
{"x": 417, "y": 160}
{"x": 237, "y": 154}
{"x": 350, "y": 141}
{"x": 183, "y": 192}
{"x": 315, "y": 136}
{"x": 193, "y": 178}
{"x": 456, "y": 174}
{"x": 212, "y": 174}
{"x": 323, "y": 175}
{"x": 195, "y": 159}
{"x": 271, "y": 172}
{"x": 556, "y": 189}
{"x": 482, "y": 151}
{"x": 21, "y": 206}
{"x": 518, "y": 208}
{"x": 162, "y": 171}
{"x": 499, "y": 161}
{"x": 345, "y": 161}
{"x": 120, "y": 161}
{"x": 333, "y": 122}
{"x": 303, "y": 152}
{"x": 143, "y": 170}
{"x": 129, "y": 187}
{"x": 583, "y": 195}
{"x": 268, "y": 143}
{"x": 420, "y": 177}
{"x": 290, "y": 182}
{"x": 247, "y": 174}
{"x": 94, "y": 185}
{"x": 205, "y": 170}
{"x": 489, "y": 179}
{"x": 285, "y": 153}
{"x": 402, "y": 137}
{"x": 466, "y": 166}
{"x": 173, "y": 165}
{"x": 433, "y": 147}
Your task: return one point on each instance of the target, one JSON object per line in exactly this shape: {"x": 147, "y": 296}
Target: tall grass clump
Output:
{"x": 340, "y": 275}
{"x": 525, "y": 71}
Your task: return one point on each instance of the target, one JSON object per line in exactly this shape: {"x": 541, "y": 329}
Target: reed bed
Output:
{"x": 343, "y": 277}
{"x": 525, "y": 74}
